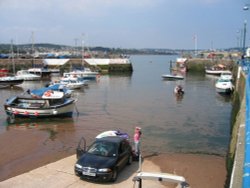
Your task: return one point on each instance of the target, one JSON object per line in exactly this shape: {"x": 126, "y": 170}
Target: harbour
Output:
{"x": 197, "y": 123}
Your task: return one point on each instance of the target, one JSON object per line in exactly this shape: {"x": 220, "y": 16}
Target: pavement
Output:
{"x": 61, "y": 174}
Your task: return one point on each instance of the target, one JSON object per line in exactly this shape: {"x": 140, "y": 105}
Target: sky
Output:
{"x": 170, "y": 24}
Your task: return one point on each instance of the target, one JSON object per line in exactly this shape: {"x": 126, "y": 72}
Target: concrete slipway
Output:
{"x": 60, "y": 174}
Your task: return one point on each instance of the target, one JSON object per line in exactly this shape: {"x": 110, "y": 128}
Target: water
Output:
{"x": 198, "y": 122}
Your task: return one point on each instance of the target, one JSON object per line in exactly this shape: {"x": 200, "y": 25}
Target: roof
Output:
{"x": 55, "y": 62}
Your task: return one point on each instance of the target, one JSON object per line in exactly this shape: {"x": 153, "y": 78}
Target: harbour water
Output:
{"x": 198, "y": 123}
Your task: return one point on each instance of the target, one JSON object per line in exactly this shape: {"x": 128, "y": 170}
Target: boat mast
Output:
{"x": 12, "y": 58}
{"x": 32, "y": 48}
{"x": 82, "y": 49}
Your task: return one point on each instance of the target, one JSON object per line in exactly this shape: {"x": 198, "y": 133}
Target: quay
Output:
{"x": 61, "y": 174}
{"x": 115, "y": 65}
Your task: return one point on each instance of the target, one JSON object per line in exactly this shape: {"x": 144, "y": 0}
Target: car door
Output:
{"x": 123, "y": 154}
{"x": 81, "y": 148}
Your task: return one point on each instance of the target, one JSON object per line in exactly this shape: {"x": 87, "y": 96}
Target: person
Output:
{"x": 137, "y": 137}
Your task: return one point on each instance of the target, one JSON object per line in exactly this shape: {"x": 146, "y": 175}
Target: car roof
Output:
{"x": 114, "y": 139}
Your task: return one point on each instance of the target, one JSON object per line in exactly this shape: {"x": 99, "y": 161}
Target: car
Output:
{"x": 104, "y": 159}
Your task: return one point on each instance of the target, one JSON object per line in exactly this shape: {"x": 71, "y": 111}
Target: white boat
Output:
{"x": 72, "y": 82}
{"x": 227, "y": 75}
{"x": 86, "y": 74}
{"x": 216, "y": 69}
{"x": 172, "y": 77}
{"x": 43, "y": 102}
{"x": 224, "y": 86}
{"x": 10, "y": 81}
{"x": 24, "y": 74}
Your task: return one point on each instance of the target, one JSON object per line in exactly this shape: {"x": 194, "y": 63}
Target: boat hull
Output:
{"x": 172, "y": 77}
{"x": 10, "y": 82}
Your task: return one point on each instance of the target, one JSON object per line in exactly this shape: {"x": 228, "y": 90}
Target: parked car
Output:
{"x": 104, "y": 159}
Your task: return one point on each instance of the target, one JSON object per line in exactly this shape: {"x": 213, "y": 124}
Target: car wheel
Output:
{"x": 130, "y": 160}
{"x": 114, "y": 175}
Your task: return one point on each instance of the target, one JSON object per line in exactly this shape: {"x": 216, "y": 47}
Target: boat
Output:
{"x": 227, "y": 75}
{"x": 39, "y": 103}
{"x": 60, "y": 87}
{"x": 7, "y": 81}
{"x": 172, "y": 77}
{"x": 216, "y": 69}
{"x": 73, "y": 82}
{"x": 224, "y": 86}
{"x": 26, "y": 75}
{"x": 85, "y": 74}
{"x": 112, "y": 133}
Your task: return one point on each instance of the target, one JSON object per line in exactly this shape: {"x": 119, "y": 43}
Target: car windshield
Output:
{"x": 106, "y": 149}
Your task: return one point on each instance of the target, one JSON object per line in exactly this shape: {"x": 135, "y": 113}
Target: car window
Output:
{"x": 107, "y": 149}
{"x": 123, "y": 147}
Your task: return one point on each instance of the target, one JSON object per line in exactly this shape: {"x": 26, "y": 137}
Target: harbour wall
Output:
{"x": 199, "y": 64}
{"x": 236, "y": 153}
{"x": 29, "y": 63}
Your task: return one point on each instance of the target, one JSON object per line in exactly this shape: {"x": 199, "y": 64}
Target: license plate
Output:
{"x": 89, "y": 174}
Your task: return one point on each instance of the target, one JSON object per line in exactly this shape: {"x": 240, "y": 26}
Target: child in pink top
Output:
{"x": 137, "y": 137}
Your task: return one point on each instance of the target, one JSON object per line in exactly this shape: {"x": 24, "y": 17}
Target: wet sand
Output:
{"x": 204, "y": 171}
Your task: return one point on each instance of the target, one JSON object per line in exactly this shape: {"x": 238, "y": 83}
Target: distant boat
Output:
{"x": 72, "y": 82}
{"x": 216, "y": 69}
{"x": 85, "y": 74}
{"x": 227, "y": 75}
{"x": 24, "y": 74}
{"x": 172, "y": 77}
{"x": 10, "y": 81}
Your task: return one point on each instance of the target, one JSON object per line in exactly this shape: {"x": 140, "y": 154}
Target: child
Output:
{"x": 137, "y": 137}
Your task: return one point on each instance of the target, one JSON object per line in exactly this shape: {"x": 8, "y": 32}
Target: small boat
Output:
{"x": 85, "y": 74}
{"x": 72, "y": 82}
{"x": 227, "y": 75}
{"x": 38, "y": 103}
{"x": 10, "y": 81}
{"x": 172, "y": 77}
{"x": 224, "y": 86}
{"x": 60, "y": 87}
{"x": 216, "y": 69}
{"x": 24, "y": 74}
{"x": 112, "y": 133}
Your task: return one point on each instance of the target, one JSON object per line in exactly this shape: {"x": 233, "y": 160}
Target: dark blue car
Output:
{"x": 104, "y": 159}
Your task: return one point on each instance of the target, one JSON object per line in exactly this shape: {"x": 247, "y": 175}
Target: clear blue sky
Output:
{"x": 125, "y": 23}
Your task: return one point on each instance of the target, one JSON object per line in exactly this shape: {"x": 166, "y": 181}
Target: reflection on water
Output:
{"x": 197, "y": 122}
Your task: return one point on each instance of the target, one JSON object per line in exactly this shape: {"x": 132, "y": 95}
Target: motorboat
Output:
{"x": 227, "y": 75}
{"x": 42, "y": 102}
{"x": 216, "y": 69}
{"x": 73, "y": 82}
{"x": 224, "y": 86}
{"x": 172, "y": 77}
{"x": 10, "y": 81}
{"x": 86, "y": 74}
{"x": 26, "y": 75}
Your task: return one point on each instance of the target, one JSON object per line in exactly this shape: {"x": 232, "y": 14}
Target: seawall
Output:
{"x": 114, "y": 67}
{"x": 236, "y": 152}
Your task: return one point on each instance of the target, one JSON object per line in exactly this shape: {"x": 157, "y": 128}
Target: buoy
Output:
{"x": 36, "y": 113}
{"x": 26, "y": 113}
